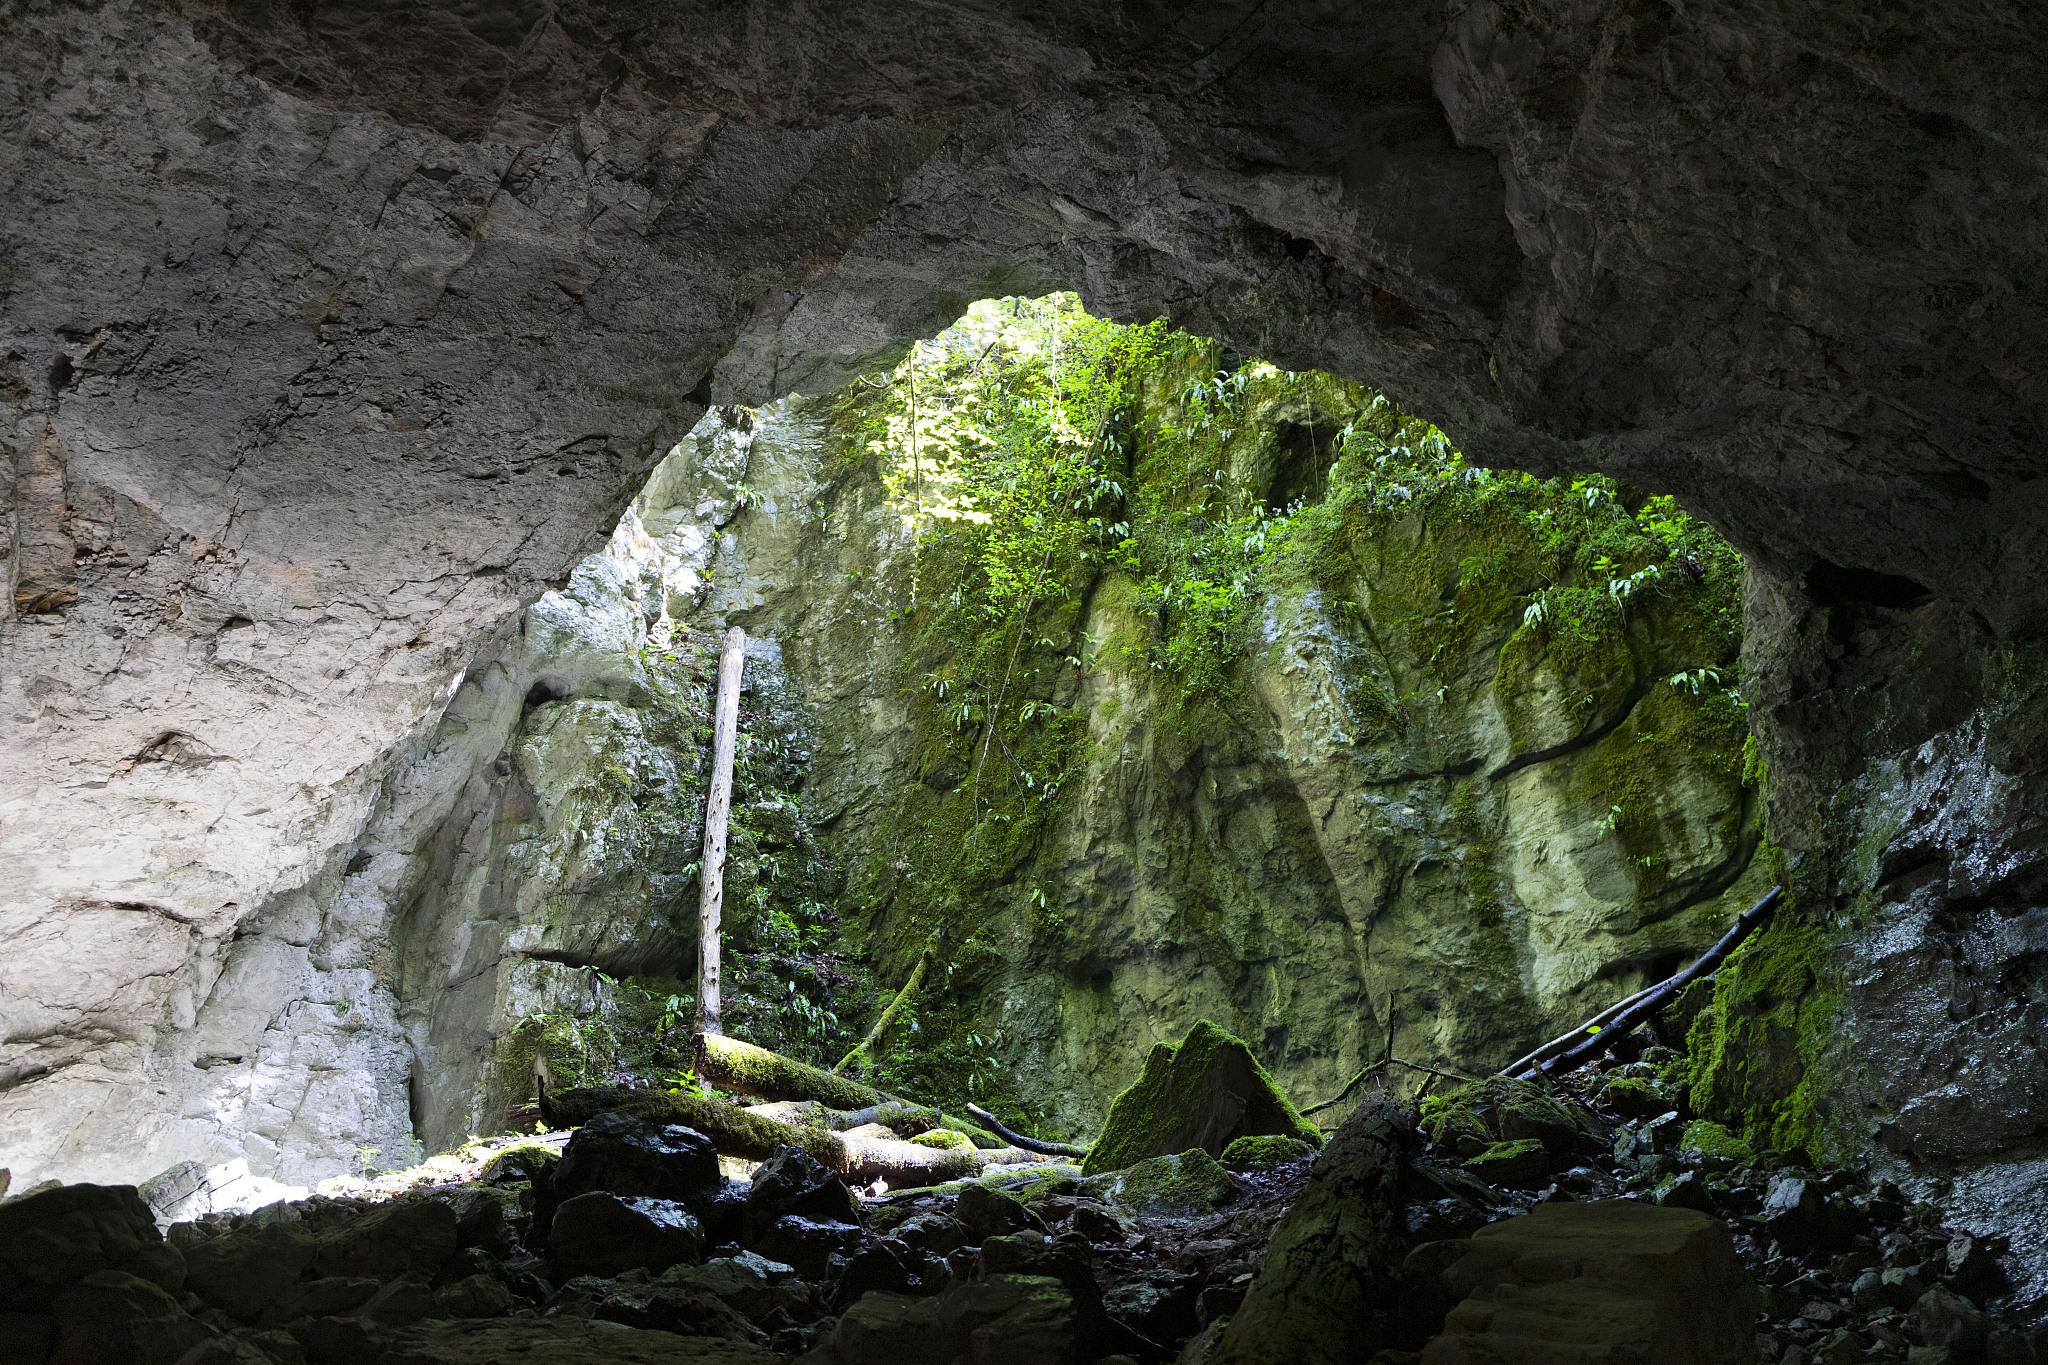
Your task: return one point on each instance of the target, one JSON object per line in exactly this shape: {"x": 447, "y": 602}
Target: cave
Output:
{"x": 339, "y": 341}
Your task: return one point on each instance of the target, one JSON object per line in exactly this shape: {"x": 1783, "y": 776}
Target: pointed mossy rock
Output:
{"x": 1204, "y": 1092}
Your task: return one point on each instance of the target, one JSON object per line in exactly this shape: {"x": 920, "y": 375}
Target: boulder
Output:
{"x": 1614, "y": 1281}
{"x": 61, "y": 1235}
{"x": 474, "y": 1296}
{"x": 627, "y": 1154}
{"x": 406, "y": 1237}
{"x": 531, "y": 1160}
{"x": 1186, "y": 1183}
{"x": 1158, "y": 1304}
{"x": 986, "y": 1213}
{"x": 1265, "y": 1151}
{"x": 806, "y": 1243}
{"x": 663, "y": 1304}
{"x": 329, "y": 1296}
{"x": 794, "y": 1182}
{"x": 113, "y": 1316}
{"x": 764, "y": 1292}
{"x": 560, "y": 1341}
{"x": 1002, "y": 1320}
{"x": 932, "y": 1231}
{"x": 601, "y": 1233}
{"x": 26, "y": 1336}
{"x": 487, "y": 1217}
{"x": 1796, "y": 1212}
{"x": 249, "y": 1267}
{"x": 1203, "y": 1092}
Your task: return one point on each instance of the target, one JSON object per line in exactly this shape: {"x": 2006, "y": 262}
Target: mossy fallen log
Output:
{"x": 746, "y": 1069}
{"x": 735, "y": 1131}
{"x": 733, "y": 1065}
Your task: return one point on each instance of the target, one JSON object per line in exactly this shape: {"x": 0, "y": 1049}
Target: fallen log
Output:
{"x": 1372, "y": 1068}
{"x": 1577, "y": 1035}
{"x": 1623, "y": 1021}
{"x": 1024, "y": 1140}
{"x": 733, "y": 1065}
{"x": 755, "y": 1137}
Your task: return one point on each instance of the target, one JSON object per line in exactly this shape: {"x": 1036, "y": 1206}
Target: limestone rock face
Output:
{"x": 327, "y": 343}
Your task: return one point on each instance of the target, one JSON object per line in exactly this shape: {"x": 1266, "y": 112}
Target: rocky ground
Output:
{"x": 628, "y": 1240}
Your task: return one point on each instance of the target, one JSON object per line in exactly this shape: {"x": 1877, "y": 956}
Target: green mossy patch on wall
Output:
{"x": 1761, "y": 1053}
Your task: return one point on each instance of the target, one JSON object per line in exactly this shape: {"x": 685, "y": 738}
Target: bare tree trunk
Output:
{"x": 717, "y": 811}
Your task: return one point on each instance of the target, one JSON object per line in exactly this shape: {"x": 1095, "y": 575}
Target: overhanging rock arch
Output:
{"x": 331, "y": 335}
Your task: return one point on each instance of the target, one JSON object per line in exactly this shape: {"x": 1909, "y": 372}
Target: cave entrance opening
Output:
{"x": 1100, "y": 681}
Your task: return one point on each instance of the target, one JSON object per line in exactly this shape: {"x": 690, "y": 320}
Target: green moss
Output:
{"x": 741, "y": 1066}
{"x": 1766, "y": 1047}
{"x": 944, "y": 1140}
{"x": 1448, "y": 1121}
{"x": 1171, "y": 1102}
{"x": 1709, "y": 1139}
{"x": 1263, "y": 1152}
{"x": 1179, "y": 1183}
{"x": 1500, "y": 1154}
{"x": 524, "y": 1160}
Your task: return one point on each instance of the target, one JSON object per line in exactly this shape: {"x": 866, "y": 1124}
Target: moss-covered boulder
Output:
{"x": 1202, "y": 1093}
{"x": 1473, "y": 1119}
{"x": 1264, "y": 1152}
{"x": 1179, "y": 1184}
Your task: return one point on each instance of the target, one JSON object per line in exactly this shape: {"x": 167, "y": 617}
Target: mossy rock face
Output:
{"x": 1182, "y": 1183}
{"x": 1264, "y": 1152}
{"x": 1520, "y": 1162}
{"x": 944, "y": 1140}
{"x": 1202, "y": 1093}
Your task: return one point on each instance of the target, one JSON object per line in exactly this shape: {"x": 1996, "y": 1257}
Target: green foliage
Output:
{"x": 1045, "y": 462}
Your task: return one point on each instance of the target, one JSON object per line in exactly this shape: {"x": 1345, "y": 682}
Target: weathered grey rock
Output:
{"x": 1002, "y": 1320}
{"x": 605, "y": 1234}
{"x": 112, "y": 1315}
{"x": 59, "y": 1236}
{"x": 1611, "y": 1280}
{"x": 405, "y": 1237}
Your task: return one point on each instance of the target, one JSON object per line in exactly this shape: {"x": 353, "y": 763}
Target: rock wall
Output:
{"x": 306, "y": 314}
